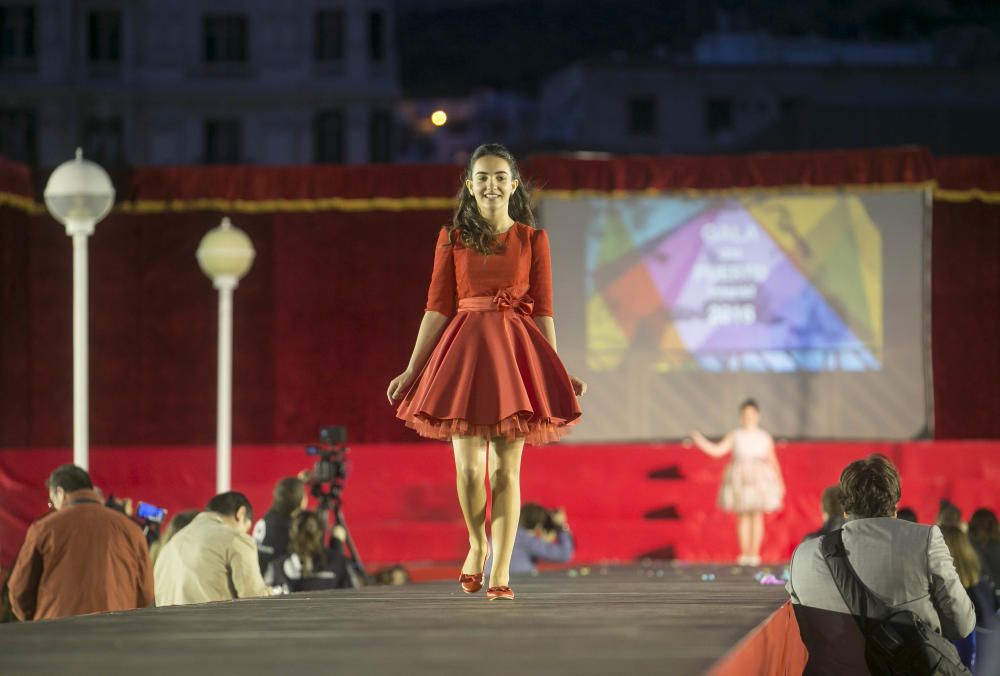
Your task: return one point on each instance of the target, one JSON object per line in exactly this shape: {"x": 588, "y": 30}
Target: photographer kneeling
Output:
{"x": 543, "y": 535}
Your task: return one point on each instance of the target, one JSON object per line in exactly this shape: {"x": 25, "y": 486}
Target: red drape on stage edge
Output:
{"x": 328, "y": 313}
{"x": 773, "y": 648}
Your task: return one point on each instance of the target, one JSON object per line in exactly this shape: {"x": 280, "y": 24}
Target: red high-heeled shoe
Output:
{"x": 473, "y": 583}
{"x": 500, "y": 594}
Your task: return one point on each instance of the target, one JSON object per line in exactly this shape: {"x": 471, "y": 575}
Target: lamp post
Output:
{"x": 78, "y": 195}
{"x": 225, "y": 254}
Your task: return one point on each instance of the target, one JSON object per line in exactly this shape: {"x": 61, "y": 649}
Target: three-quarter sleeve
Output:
{"x": 442, "y": 291}
{"x": 540, "y": 278}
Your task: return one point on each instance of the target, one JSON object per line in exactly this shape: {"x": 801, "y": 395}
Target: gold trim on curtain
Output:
{"x": 241, "y": 206}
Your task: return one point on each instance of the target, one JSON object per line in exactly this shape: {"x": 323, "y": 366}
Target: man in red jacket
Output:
{"x": 81, "y": 558}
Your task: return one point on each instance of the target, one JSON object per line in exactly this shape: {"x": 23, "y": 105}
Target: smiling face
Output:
{"x": 491, "y": 184}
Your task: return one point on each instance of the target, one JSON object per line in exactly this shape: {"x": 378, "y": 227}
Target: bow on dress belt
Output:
{"x": 506, "y": 300}
{"x": 503, "y": 301}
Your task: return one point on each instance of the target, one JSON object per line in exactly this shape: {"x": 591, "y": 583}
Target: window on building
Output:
{"x": 223, "y": 142}
{"x": 17, "y": 36}
{"x": 376, "y": 36}
{"x": 330, "y": 137}
{"x": 718, "y": 115}
{"x": 103, "y": 141}
{"x": 381, "y": 136}
{"x": 225, "y": 38}
{"x": 19, "y": 136}
{"x": 642, "y": 115}
{"x": 104, "y": 37}
{"x": 331, "y": 35}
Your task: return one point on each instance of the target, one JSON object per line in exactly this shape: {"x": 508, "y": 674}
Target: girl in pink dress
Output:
{"x": 484, "y": 373}
{"x": 752, "y": 483}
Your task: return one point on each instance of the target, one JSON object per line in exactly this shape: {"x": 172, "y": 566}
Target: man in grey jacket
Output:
{"x": 907, "y": 565}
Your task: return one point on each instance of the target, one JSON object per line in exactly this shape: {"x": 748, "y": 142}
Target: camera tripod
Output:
{"x": 330, "y": 504}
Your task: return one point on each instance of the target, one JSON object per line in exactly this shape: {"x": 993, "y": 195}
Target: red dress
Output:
{"x": 492, "y": 373}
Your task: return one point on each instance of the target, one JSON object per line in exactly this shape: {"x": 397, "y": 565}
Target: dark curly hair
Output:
{"x": 870, "y": 487}
{"x": 474, "y": 231}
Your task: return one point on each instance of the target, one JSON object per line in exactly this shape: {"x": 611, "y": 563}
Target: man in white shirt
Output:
{"x": 213, "y": 558}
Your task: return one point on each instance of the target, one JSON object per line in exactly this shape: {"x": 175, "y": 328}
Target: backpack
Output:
{"x": 896, "y": 641}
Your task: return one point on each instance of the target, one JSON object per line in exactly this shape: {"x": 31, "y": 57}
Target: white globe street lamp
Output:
{"x": 225, "y": 254}
{"x": 78, "y": 195}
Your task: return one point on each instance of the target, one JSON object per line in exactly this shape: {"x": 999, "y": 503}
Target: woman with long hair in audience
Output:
{"x": 752, "y": 484}
{"x": 271, "y": 531}
{"x": 484, "y": 373}
{"x": 309, "y": 565}
{"x": 984, "y": 533}
{"x": 978, "y": 588}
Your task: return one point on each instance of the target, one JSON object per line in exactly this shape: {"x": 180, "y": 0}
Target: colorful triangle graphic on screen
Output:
{"x": 788, "y": 284}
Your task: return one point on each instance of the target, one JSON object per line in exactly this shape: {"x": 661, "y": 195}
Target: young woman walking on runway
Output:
{"x": 752, "y": 483}
{"x": 484, "y": 372}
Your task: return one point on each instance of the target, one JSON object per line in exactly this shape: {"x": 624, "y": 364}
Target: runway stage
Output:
{"x": 661, "y": 619}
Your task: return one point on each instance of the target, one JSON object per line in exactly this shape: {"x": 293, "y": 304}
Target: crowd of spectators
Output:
{"x": 87, "y": 556}
{"x": 83, "y": 557}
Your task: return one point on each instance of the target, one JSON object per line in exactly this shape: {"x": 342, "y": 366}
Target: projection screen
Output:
{"x": 674, "y": 309}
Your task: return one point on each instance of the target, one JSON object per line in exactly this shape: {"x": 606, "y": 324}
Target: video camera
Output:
{"x": 326, "y": 481}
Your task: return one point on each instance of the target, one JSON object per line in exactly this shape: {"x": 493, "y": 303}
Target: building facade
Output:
{"x": 757, "y": 93}
{"x": 162, "y": 82}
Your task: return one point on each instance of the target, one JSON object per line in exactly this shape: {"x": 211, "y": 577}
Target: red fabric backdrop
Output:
{"x": 965, "y": 312}
{"x": 328, "y": 313}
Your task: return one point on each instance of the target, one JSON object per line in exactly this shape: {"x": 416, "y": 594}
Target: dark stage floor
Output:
{"x": 657, "y": 620}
